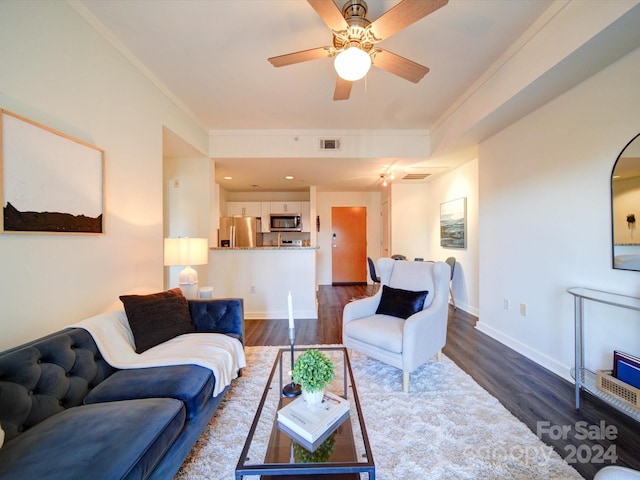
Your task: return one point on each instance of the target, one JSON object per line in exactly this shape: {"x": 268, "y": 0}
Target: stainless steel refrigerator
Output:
{"x": 240, "y": 232}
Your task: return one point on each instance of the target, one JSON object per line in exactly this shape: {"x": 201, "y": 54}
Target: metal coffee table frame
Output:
{"x": 353, "y": 430}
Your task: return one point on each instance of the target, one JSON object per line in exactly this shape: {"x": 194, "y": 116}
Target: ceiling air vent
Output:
{"x": 415, "y": 176}
{"x": 329, "y": 144}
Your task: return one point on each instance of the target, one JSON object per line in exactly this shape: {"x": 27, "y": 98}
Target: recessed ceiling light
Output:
{"x": 289, "y": 177}
{"x": 228, "y": 178}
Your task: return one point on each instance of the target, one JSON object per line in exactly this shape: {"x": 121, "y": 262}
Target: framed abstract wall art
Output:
{"x": 453, "y": 223}
{"x": 49, "y": 181}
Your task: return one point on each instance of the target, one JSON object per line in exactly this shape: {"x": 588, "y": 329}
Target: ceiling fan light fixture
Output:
{"x": 352, "y": 64}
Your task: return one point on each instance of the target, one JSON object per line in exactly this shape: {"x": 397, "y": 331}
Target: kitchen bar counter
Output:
{"x": 267, "y": 247}
{"x": 263, "y": 277}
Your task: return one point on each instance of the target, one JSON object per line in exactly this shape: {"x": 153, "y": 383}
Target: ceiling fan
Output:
{"x": 355, "y": 39}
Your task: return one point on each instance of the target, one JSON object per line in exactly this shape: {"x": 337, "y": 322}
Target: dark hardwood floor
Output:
{"x": 539, "y": 398}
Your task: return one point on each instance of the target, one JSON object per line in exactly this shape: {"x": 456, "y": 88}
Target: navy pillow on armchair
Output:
{"x": 401, "y": 303}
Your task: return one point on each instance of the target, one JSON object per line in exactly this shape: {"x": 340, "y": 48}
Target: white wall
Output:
{"x": 461, "y": 182}
{"x": 187, "y": 210}
{"x": 326, "y": 200}
{"x": 304, "y": 143}
{"x": 409, "y": 228}
{"x": 58, "y": 71}
{"x": 544, "y": 221}
{"x": 415, "y": 213}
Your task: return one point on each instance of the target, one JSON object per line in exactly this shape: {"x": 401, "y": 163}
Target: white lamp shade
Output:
{"x": 186, "y": 251}
{"x": 352, "y": 64}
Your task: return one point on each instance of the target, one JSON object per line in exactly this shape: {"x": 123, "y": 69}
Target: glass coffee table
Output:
{"x": 272, "y": 454}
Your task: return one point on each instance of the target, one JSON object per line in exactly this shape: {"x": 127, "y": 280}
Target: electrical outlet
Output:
{"x": 507, "y": 304}
{"x": 523, "y": 309}
{"x": 253, "y": 289}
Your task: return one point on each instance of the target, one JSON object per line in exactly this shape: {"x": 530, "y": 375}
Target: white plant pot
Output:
{"x": 312, "y": 398}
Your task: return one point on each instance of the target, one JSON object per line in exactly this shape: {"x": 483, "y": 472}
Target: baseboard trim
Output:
{"x": 540, "y": 358}
{"x": 466, "y": 308}
{"x": 261, "y": 315}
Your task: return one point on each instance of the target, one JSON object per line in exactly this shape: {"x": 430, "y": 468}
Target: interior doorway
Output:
{"x": 348, "y": 245}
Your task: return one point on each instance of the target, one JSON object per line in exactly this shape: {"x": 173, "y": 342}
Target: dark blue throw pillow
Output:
{"x": 157, "y": 317}
{"x": 401, "y": 303}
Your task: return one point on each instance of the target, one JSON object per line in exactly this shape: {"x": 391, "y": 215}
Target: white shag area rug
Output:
{"x": 447, "y": 427}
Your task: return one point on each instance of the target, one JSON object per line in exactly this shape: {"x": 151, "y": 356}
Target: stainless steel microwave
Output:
{"x": 285, "y": 222}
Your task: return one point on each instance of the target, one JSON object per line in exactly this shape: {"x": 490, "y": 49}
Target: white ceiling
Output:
{"x": 212, "y": 56}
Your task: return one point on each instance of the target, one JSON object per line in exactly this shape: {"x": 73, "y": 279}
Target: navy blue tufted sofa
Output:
{"x": 68, "y": 414}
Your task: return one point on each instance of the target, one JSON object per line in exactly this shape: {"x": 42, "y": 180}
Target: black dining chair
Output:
{"x": 374, "y": 278}
{"x": 452, "y": 263}
{"x": 372, "y": 271}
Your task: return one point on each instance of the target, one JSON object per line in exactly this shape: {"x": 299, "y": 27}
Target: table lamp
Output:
{"x": 187, "y": 251}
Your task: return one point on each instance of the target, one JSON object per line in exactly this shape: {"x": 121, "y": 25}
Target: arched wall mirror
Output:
{"x": 625, "y": 207}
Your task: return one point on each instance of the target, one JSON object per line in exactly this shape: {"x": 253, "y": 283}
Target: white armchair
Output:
{"x": 403, "y": 343}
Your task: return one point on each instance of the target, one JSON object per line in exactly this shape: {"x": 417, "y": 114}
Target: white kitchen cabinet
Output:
{"x": 244, "y": 209}
{"x": 285, "y": 207}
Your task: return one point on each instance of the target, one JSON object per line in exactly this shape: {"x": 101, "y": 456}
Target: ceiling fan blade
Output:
{"x": 399, "y": 66}
{"x": 343, "y": 89}
{"x": 302, "y": 56}
{"x": 330, "y": 14}
{"x": 402, "y": 15}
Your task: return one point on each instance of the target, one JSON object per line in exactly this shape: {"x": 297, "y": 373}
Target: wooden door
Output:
{"x": 349, "y": 245}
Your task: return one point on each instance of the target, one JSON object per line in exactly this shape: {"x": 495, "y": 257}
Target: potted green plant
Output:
{"x": 321, "y": 454}
{"x": 314, "y": 371}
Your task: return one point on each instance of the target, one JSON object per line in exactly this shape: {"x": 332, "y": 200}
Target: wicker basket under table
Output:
{"x": 624, "y": 392}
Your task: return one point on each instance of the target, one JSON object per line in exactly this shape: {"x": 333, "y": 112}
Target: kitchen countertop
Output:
{"x": 266, "y": 247}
